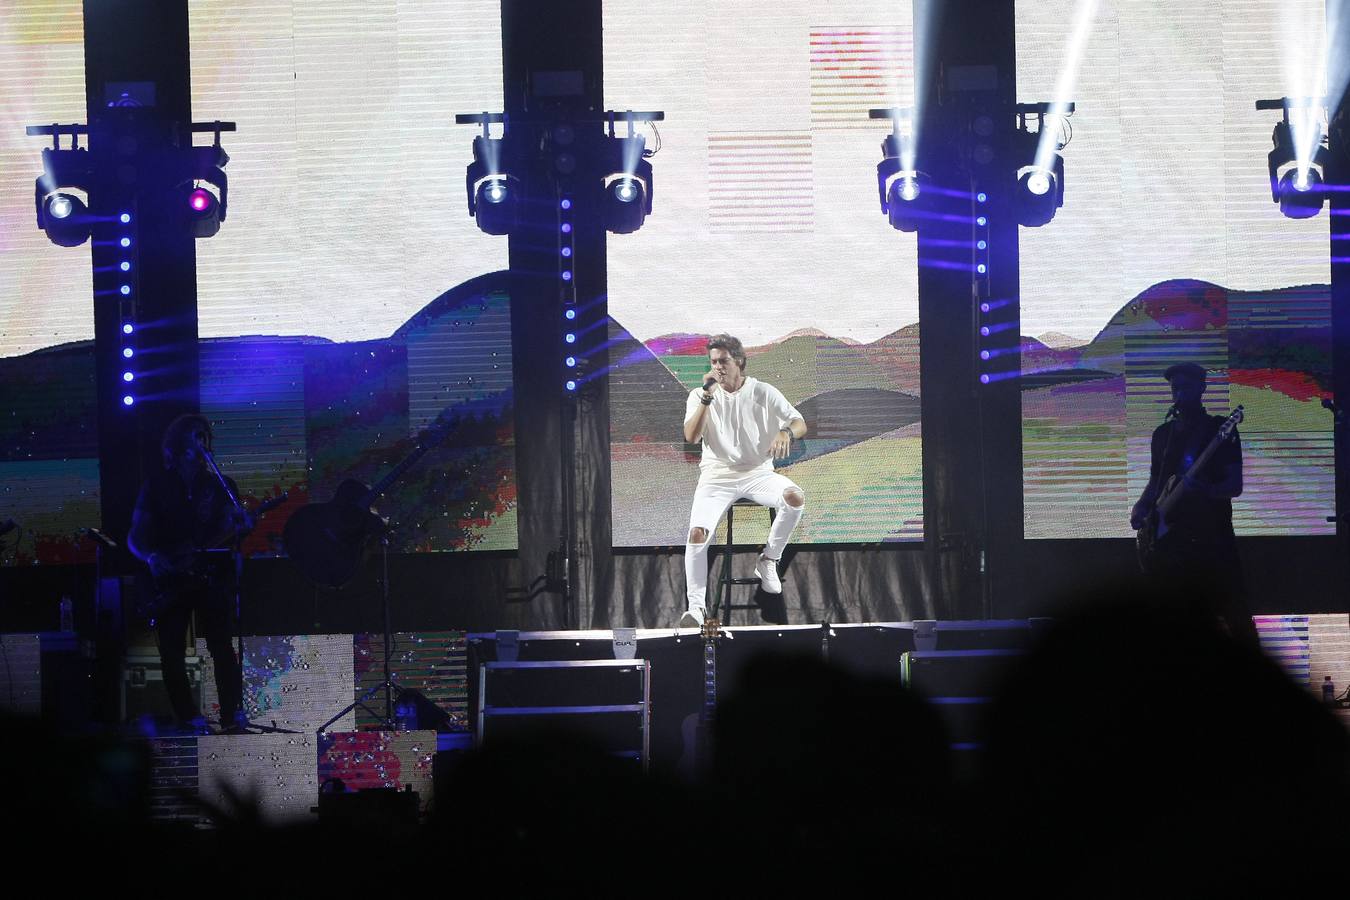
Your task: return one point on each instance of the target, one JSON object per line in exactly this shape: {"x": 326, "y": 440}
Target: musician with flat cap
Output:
{"x": 1185, "y": 514}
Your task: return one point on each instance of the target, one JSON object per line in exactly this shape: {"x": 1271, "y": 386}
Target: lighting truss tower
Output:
{"x": 133, "y": 193}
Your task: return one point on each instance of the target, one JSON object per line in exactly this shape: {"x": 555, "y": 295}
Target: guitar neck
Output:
{"x": 1210, "y": 449}
{"x": 709, "y": 679}
{"x": 378, "y": 489}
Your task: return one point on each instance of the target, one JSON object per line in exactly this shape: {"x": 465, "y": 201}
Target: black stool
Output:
{"x": 725, "y": 582}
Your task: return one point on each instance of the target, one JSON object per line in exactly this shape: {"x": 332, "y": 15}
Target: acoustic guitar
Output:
{"x": 330, "y": 541}
{"x": 696, "y": 728}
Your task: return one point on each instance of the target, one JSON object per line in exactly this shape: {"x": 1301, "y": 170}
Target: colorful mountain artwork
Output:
{"x": 300, "y": 415}
{"x": 1088, "y": 411}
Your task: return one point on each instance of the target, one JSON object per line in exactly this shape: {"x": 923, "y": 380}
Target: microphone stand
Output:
{"x": 388, "y": 686}
{"x": 236, "y": 547}
{"x": 237, "y": 559}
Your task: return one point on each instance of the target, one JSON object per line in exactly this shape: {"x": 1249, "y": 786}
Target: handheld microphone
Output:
{"x": 708, "y": 383}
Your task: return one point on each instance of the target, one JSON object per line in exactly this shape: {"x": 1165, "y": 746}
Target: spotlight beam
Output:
{"x": 1067, "y": 81}
{"x": 491, "y": 149}
{"x": 634, "y": 146}
{"x": 1303, "y": 60}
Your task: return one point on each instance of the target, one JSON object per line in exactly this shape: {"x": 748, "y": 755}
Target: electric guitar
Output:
{"x": 329, "y": 541}
{"x": 194, "y": 568}
{"x": 697, "y": 727}
{"x": 1158, "y": 523}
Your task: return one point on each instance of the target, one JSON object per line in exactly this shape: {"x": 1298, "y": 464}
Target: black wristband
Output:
{"x": 706, "y": 399}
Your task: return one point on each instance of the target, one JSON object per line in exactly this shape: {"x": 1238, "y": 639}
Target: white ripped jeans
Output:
{"x": 711, "y": 501}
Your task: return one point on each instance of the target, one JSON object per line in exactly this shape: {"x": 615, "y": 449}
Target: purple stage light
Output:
{"x": 567, "y": 251}
{"x": 128, "y": 353}
{"x": 982, "y": 221}
{"x": 571, "y": 338}
{"x": 127, "y": 399}
{"x": 125, "y": 266}
{"x": 125, "y": 242}
{"x": 984, "y": 307}
{"x": 128, "y": 328}
{"x": 984, "y": 354}
{"x": 982, "y": 244}
{"x": 571, "y": 314}
{"x": 125, "y": 289}
{"x": 566, "y": 203}
{"x": 128, "y": 376}
{"x": 984, "y": 330}
{"x": 200, "y": 200}
{"x": 981, "y": 268}
{"x": 567, "y": 228}
{"x": 981, "y": 196}
{"x": 571, "y": 361}
{"x": 124, "y": 218}
{"x": 984, "y": 379}
{"x": 571, "y": 385}
{"x": 567, "y": 276}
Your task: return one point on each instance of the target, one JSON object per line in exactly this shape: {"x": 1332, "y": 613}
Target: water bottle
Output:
{"x": 1328, "y": 690}
{"x": 67, "y": 614}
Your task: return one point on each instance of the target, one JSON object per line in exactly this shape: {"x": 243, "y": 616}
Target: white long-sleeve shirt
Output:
{"x": 740, "y": 428}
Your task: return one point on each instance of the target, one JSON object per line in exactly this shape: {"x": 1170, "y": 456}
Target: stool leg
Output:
{"x": 724, "y": 580}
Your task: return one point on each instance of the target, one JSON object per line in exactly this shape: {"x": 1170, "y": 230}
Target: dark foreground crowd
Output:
{"x": 1137, "y": 752}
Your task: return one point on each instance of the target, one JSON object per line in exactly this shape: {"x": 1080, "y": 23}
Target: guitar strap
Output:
{"x": 1197, "y": 435}
{"x": 1167, "y": 452}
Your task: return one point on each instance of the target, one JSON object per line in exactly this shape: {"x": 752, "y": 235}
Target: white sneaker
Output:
{"x": 693, "y": 617}
{"x": 767, "y": 570}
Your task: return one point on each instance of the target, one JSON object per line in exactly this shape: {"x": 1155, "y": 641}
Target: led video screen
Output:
{"x": 347, "y": 303}
{"x": 1168, "y": 248}
{"x": 766, "y": 225}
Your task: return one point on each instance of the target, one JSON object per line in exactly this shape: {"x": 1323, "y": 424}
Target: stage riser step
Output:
{"x": 549, "y": 687}
{"x": 605, "y": 703}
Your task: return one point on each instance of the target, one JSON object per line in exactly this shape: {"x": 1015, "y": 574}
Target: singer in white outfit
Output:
{"x": 744, "y": 425}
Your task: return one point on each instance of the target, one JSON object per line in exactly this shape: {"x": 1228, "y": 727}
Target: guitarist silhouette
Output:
{"x": 182, "y": 510}
{"x": 1185, "y": 514}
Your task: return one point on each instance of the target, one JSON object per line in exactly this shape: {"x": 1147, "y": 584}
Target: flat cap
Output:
{"x": 1185, "y": 370}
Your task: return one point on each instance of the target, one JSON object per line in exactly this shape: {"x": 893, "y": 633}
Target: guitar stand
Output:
{"x": 388, "y": 686}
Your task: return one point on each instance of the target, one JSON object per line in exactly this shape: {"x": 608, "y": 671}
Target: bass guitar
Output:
{"x": 1159, "y": 521}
